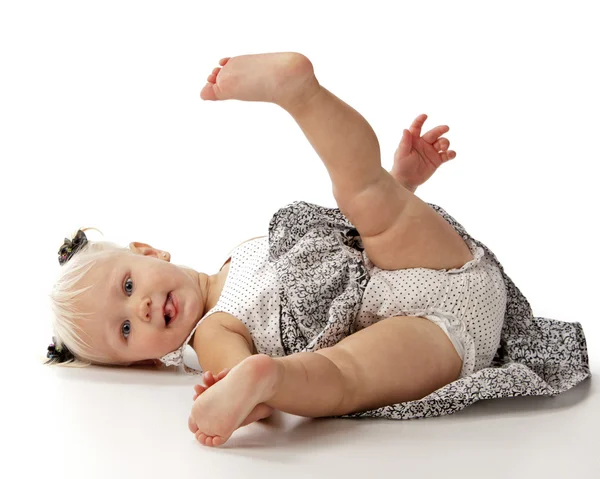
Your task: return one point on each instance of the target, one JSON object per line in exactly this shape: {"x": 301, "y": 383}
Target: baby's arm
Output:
{"x": 409, "y": 187}
{"x": 220, "y": 344}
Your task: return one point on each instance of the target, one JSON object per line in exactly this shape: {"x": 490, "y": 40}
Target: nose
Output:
{"x": 145, "y": 309}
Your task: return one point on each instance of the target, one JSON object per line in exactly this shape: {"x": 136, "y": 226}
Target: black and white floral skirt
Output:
{"x": 317, "y": 254}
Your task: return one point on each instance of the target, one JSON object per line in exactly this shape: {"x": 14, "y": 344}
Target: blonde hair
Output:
{"x": 64, "y": 296}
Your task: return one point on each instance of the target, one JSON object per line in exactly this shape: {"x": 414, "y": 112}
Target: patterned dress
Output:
{"x": 318, "y": 256}
{"x": 311, "y": 285}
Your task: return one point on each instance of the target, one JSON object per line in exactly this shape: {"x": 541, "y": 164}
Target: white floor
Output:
{"x": 123, "y": 423}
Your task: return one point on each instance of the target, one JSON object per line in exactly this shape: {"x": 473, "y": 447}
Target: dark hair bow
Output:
{"x": 70, "y": 247}
{"x": 58, "y": 355}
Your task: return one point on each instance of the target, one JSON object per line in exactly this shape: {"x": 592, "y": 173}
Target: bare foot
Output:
{"x": 280, "y": 78}
{"x": 261, "y": 411}
{"x": 220, "y": 410}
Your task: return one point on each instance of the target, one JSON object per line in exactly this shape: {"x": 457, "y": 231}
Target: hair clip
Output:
{"x": 58, "y": 355}
{"x": 70, "y": 247}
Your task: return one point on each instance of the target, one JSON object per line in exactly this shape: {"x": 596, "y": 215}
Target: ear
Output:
{"x": 147, "y": 250}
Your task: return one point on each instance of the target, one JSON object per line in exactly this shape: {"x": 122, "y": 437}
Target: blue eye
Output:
{"x": 126, "y": 329}
{"x": 128, "y": 286}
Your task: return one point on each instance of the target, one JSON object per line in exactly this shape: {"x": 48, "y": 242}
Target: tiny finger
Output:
{"x": 432, "y": 135}
{"x": 199, "y": 389}
{"x": 208, "y": 378}
{"x": 442, "y": 144}
{"x": 199, "y": 392}
{"x": 417, "y": 124}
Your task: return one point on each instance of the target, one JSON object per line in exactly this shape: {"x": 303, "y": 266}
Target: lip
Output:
{"x": 175, "y": 305}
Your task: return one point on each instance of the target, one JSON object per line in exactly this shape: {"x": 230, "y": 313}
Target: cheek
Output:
{"x": 158, "y": 343}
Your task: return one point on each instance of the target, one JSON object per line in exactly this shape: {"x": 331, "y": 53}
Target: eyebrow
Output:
{"x": 114, "y": 290}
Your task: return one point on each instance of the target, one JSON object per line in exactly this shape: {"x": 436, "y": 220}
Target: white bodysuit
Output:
{"x": 467, "y": 303}
{"x": 310, "y": 284}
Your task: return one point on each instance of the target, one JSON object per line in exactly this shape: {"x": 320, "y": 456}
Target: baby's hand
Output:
{"x": 417, "y": 157}
{"x": 209, "y": 379}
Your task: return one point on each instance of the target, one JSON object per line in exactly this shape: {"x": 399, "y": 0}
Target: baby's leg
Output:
{"x": 398, "y": 359}
{"x": 398, "y": 229}
{"x": 395, "y": 360}
{"x": 342, "y": 138}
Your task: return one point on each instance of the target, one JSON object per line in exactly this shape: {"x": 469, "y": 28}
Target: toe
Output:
{"x": 212, "y": 78}
{"x": 202, "y": 438}
{"x": 218, "y": 441}
{"x": 192, "y": 425}
{"x": 223, "y": 61}
{"x": 208, "y": 92}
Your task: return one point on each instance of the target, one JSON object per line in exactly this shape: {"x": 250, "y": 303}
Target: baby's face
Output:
{"x": 127, "y": 306}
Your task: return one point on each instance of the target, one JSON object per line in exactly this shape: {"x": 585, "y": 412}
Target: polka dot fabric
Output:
{"x": 467, "y": 303}
{"x": 314, "y": 285}
{"x": 251, "y": 294}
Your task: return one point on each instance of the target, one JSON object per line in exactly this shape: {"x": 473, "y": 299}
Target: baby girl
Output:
{"x": 124, "y": 306}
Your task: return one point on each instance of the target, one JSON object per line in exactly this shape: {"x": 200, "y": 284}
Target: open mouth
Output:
{"x": 169, "y": 310}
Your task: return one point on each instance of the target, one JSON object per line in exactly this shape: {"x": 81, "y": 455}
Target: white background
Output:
{"x": 101, "y": 125}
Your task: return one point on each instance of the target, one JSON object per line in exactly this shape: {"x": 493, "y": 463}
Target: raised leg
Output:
{"x": 342, "y": 138}
{"x": 398, "y": 229}
{"x": 395, "y": 360}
